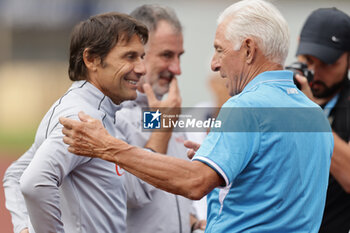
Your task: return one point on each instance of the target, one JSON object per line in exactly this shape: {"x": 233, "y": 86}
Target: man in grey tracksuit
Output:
{"x": 63, "y": 192}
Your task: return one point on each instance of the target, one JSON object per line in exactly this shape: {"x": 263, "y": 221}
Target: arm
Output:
{"x": 340, "y": 163}
{"x": 140, "y": 193}
{"x": 190, "y": 179}
{"x": 158, "y": 141}
{"x": 41, "y": 180}
{"x": 14, "y": 198}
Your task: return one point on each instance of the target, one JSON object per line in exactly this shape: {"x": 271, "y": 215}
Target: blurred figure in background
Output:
{"x": 152, "y": 210}
{"x": 208, "y": 109}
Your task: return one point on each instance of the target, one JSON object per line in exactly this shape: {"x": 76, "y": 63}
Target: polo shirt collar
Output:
{"x": 270, "y": 76}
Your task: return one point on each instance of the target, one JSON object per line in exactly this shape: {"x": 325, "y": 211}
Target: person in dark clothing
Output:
{"x": 325, "y": 47}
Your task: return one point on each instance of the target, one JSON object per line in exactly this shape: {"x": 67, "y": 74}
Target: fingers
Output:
{"x": 66, "y": 122}
{"x": 302, "y": 80}
{"x": 68, "y": 140}
{"x": 190, "y": 153}
{"x": 202, "y": 224}
{"x": 84, "y": 117}
{"x": 174, "y": 87}
{"x": 72, "y": 148}
{"x": 151, "y": 97}
{"x": 66, "y": 132}
{"x": 192, "y": 145}
{"x": 174, "y": 93}
{"x": 305, "y": 88}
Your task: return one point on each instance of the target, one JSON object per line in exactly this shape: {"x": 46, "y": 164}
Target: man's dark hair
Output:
{"x": 99, "y": 34}
{"x": 152, "y": 14}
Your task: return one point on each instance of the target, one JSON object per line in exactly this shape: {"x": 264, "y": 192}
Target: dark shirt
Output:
{"x": 336, "y": 218}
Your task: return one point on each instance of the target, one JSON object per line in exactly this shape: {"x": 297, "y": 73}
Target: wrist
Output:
{"x": 114, "y": 149}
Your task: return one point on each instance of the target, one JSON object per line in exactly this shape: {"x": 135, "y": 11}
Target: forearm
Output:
{"x": 42, "y": 200}
{"x": 190, "y": 179}
{"x": 41, "y": 180}
{"x": 340, "y": 164}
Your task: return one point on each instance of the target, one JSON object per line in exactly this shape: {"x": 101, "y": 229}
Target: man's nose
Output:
{"x": 174, "y": 66}
{"x": 140, "y": 68}
{"x": 215, "y": 66}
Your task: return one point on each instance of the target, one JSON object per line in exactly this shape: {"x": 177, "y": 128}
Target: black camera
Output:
{"x": 300, "y": 68}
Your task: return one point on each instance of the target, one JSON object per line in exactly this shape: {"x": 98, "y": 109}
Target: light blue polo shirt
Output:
{"x": 276, "y": 172}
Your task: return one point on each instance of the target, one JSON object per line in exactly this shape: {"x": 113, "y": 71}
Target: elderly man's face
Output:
{"x": 327, "y": 77}
{"x": 118, "y": 74}
{"x": 162, "y": 59}
{"x": 228, "y": 62}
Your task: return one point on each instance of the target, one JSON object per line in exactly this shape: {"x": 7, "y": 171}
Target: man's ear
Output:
{"x": 250, "y": 49}
{"x": 91, "y": 62}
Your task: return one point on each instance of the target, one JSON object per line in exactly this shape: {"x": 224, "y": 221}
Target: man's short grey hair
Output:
{"x": 261, "y": 20}
{"x": 150, "y": 15}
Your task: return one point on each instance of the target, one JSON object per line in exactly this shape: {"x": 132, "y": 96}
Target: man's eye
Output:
{"x": 131, "y": 56}
{"x": 309, "y": 61}
{"x": 167, "y": 55}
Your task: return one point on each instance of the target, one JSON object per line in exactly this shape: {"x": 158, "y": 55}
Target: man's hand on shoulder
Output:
{"x": 88, "y": 137}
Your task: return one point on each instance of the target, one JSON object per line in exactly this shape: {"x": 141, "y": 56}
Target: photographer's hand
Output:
{"x": 305, "y": 87}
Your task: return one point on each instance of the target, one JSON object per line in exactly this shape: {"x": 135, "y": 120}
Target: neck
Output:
{"x": 267, "y": 66}
{"x": 261, "y": 67}
{"x": 323, "y": 101}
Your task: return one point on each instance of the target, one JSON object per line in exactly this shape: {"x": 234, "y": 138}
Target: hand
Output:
{"x": 304, "y": 86}
{"x": 89, "y": 138}
{"x": 199, "y": 225}
{"x": 192, "y": 146}
{"x": 173, "y": 100}
{"x": 25, "y": 230}
{"x": 171, "y": 105}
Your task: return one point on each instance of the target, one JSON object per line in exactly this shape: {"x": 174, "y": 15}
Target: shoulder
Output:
{"x": 128, "y": 121}
{"x": 245, "y": 99}
{"x": 77, "y": 99}
{"x": 129, "y": 113}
